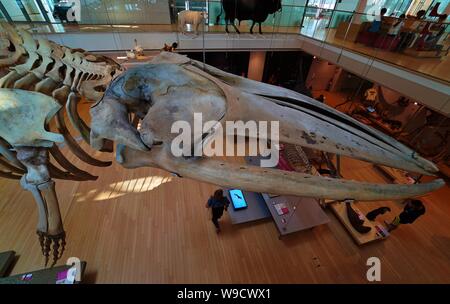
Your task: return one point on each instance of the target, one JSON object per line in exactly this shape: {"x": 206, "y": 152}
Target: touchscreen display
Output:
{"x": 237, "y": 198}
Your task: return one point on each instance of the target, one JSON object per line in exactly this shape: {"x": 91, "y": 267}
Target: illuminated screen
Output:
{"x": 238, "y": 199}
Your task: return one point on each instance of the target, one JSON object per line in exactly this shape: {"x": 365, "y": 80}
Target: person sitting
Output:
{"x": 436, "y": 36}
{"x": 395, "y": 28}
{"x": 418, "y": 24}
{"x": 430, "y": 34}
{"x": 375, "y": 27}
{"x": 411, "y": 212}
{"x": 409, "y": 37}
{"x": 369, "y": 36}
{"x": 389, "y": 34}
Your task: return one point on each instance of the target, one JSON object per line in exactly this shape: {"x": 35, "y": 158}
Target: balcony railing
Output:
{"x": 419, "y": 45}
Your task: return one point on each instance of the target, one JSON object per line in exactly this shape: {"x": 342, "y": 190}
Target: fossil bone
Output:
{"x": 31, "y": 141}
{"x": 176, "y": 88}
{"x": 46, "y": 67}
{"x": 31, "y": 111}
{"x": 137, "y": 111}
{"x": 37, "y": 180}
{"x": 41, "y": 66}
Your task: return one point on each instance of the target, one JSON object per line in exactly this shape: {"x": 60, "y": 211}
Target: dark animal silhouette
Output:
{"x": 355, "y": 221}
{"x": 255, "y": 10}
{"x": 374, "y": 213}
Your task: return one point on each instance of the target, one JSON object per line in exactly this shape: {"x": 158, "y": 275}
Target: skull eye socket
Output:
{"x": 12, "y": 47}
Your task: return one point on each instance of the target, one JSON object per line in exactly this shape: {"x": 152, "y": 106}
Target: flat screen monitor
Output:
{"x": 238, "y": 199}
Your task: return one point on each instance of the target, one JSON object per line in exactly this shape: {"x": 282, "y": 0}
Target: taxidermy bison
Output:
{"x": 255, "y": 10}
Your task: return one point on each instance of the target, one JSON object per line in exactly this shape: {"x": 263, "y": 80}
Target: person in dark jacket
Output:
{"x": 217, "y": 203}
{"x": 413, "y": 209}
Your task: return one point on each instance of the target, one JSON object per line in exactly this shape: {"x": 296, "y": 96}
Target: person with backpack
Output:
{"x": 413, "y": 209}
{"x": 218, "y": 203}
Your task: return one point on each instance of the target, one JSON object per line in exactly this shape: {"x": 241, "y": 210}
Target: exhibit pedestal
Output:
{"x": 377, "y": 231}
{"x": 256, "y": 208}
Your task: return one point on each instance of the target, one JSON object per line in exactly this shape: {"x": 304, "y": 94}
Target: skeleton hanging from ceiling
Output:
{"x": 58, "y": 77}
{"x": 154, "y": 96}
{"x": 173, "y": 88}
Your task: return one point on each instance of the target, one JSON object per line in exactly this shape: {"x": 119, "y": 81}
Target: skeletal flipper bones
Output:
{"x": 173, "y": 87}
{"x": 23, "y": 117}
{"x": 42, "y": 66}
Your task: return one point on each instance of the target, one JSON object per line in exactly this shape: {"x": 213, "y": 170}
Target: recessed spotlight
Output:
{"x": 314, "y": 57}
{"x": 415, "y": 103}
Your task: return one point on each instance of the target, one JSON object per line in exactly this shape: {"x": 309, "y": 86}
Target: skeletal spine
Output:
{"x": 46, "y": 67}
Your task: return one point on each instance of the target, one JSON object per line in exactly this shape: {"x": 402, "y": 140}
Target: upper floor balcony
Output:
{"x": 417, "y": 44}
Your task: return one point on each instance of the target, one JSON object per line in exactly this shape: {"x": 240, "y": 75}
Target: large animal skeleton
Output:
{"x": 138, "y": 110}
{"x": 59, "y": 76}
{"x": 173, "y": 87}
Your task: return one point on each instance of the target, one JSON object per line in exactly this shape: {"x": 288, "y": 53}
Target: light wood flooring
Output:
{"x": 146, "y": 226}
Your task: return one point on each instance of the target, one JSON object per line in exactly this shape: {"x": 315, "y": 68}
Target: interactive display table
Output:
{"x": 290, "y": 213}
{"x": 256, "y": 209}
{"x": 294, "y": 213}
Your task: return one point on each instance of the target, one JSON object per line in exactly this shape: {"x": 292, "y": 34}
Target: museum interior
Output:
{"x": 224, "y": 141}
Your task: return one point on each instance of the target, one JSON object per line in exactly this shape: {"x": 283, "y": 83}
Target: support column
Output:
{"x": 256, "y": 65}
{"x": 359, "y": 11}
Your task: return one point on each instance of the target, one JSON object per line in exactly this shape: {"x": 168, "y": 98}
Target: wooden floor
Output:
{"x": 146, "y": 226}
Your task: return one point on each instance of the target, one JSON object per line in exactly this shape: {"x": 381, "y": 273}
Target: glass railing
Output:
{"x": 417, "y": 45}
